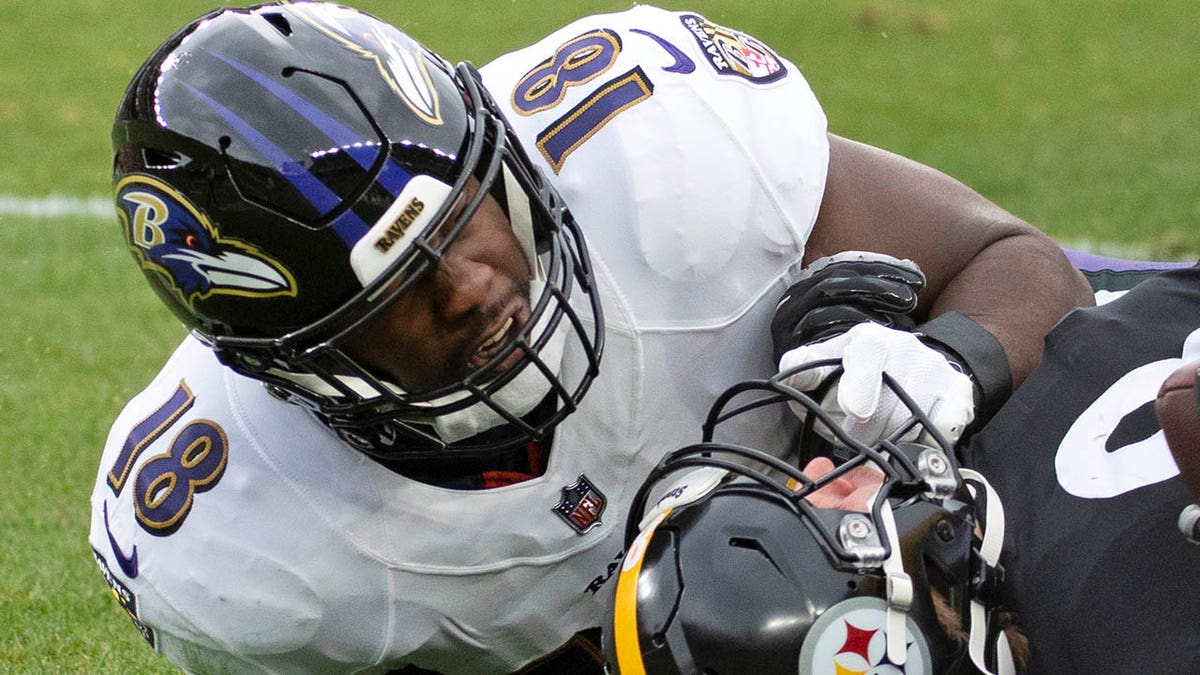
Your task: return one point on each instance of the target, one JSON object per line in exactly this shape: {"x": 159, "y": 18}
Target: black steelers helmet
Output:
{"x": 284, "y": 172}
{"x": 731, "y": 570}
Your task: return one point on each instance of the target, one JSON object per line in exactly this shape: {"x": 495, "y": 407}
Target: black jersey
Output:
{"x": 1096, "y": 569}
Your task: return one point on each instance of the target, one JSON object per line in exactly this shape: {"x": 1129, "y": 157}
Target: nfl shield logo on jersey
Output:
{"x": 581, "y": 505}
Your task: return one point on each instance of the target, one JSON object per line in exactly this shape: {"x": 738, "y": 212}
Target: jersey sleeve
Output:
{"x": 693, "y": 155}
{"x": 188, "y": 532}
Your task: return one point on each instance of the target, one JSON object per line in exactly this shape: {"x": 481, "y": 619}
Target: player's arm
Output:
{"x": 1177, "y": 406}
{"x": 978, "y": 259}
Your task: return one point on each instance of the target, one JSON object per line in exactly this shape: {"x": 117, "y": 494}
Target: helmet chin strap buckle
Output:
{"x": 860, "y": 540}
{"x": 938, "y": 471}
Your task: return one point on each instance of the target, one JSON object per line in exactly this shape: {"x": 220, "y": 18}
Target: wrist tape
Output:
{"x": 978, "y": 353}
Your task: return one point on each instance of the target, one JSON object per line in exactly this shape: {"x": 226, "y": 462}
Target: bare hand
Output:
{"x": 849, "y": 492}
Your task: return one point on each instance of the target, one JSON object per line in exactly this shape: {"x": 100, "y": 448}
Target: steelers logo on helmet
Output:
{"x": 850, "y": 638}
{"x": 167, "y": 234}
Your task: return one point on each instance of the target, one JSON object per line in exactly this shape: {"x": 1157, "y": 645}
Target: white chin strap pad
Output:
{"x": 521, "y": 219}
{"x": 530, "y": 386}
{"x": 900, "y": 588}
{"x": 519, "y": 396}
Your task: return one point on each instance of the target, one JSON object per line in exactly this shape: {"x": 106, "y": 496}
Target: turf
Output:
{"x": 1078, "y": 116}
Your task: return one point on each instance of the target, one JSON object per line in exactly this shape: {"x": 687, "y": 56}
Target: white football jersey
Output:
{"x": 241, "y": 533}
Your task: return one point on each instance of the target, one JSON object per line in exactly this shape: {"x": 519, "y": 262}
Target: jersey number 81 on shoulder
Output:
{"x": 578, "y": 61}
{"x": 167, "y": 483}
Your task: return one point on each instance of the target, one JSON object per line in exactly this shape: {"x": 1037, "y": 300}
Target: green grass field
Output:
{"x": 1081, "y": 117}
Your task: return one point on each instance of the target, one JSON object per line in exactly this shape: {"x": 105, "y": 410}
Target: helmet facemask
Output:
{"x": 816, "y": 567}
{"x": 488, "y": 410}
{"x": 285, "y": 143}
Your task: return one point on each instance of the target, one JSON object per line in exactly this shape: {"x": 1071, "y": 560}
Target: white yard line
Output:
{"x": 57, "y": 206}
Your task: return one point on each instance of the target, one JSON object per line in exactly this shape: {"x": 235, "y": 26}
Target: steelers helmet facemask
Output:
{"x": 729, "y": 568}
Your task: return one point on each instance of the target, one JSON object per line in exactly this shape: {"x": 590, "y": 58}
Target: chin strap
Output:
{"x": 989, "y": 550}
{"x": 521, "y": 395}
{"x": 900, "y": 586}
{"x": 521, "y": 218}
{"x": 899, "y": 590}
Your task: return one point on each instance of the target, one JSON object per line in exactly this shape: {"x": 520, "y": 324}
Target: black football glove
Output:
{"x": 839, "y": 291}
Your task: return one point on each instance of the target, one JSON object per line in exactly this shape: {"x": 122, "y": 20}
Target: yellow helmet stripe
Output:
{"x": 625, "y": 630}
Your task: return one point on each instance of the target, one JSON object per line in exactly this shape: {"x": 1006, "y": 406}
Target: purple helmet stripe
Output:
{"x": 349, "y": 226}
{"x": 341, "y": 135}
{"x": 335, "y": 130}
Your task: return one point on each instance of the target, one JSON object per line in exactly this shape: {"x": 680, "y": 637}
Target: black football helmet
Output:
{"x": 733, "y": 570}
{"x": 283, "y": 172}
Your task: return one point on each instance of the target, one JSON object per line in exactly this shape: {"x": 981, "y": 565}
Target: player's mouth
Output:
{"x": 499, "y": 336}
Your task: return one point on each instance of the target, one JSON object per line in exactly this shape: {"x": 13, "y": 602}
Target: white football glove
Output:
{"x": 869, "y": 411}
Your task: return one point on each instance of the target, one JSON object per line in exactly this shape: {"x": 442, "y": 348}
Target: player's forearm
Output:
{"x": 1017, "y": 287}
{"x": 978, "y": 259}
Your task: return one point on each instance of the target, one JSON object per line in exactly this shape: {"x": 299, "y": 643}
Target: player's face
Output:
{"x": 459, "y": 314}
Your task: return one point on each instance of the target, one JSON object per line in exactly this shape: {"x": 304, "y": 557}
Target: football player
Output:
{"x": 1095, "y": 566}
{"x": 442, "y": 321}
{"x": 886, "y": 563}
{"x": 1093, "y": 563}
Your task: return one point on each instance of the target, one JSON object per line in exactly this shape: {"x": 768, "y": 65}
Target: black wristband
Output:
{"x": 979, "y": 353}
